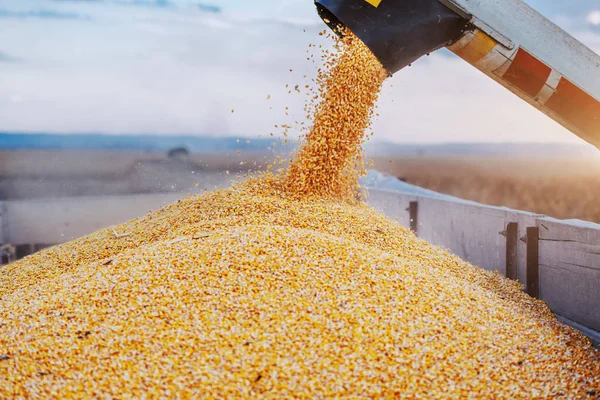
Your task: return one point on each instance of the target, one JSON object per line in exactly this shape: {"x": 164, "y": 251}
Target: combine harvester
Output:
{"x": 507, "y": 40}
{"x": 556, "y": 261}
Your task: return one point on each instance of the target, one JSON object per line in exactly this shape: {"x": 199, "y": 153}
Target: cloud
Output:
{"x": 78, "y": 1}
{"x": 6, "y": 58}
{"x": 571, "y": 7}
{"x": 593, "y": 18}
{"x": 147, "y": 3}
{"x": 210, "y": 8}
{"x": 591, "y": 39}
{"x": 42, "y": 13}
{"x": 289, "y": 22}
{"x": 181, "y": 70}
{"x": 151, "y": 3}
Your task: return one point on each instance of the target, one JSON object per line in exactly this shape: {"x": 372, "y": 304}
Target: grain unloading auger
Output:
{"x": 507, "y": 40}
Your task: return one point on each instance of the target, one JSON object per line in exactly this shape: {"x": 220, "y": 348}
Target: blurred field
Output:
{"x": 45, "y": 174}
{"x": 560, "y": 188}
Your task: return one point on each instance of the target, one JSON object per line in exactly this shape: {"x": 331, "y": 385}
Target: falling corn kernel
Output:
{"x": 327, "y": 162}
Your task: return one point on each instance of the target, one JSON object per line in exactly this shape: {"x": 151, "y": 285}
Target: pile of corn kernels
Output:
{"x": 276, "y": 288}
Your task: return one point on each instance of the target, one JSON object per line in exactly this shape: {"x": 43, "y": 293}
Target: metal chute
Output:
{"x": 397, "y": 32}
{"x": 507, "y": 40}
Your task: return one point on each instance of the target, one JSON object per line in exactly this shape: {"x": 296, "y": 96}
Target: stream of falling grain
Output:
{"x": 281, "y": 288}
{"x": 330, "y": 161}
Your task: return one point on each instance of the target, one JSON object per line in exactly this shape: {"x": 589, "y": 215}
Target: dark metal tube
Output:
{"x": 398, "y": 32}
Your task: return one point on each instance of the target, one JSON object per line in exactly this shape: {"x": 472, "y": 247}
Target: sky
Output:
{"x": 182, "y": 66}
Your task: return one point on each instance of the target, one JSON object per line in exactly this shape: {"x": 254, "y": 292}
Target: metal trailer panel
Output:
{"x": 52, "y": 221}
{"x": 567, "y": 264}
{"x": 570, "y": 270}
{"x": 393, "y": 205}
{"x": 474, "y": 232}
{"x": 569, "y": 252}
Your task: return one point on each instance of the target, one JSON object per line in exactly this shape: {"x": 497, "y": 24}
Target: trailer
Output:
{"x": 556, "y": 261}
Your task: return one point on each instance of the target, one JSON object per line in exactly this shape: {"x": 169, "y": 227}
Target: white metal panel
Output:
{"x": 52, "y": 221}
{"x": 469, "y": 230}
{"x": 392, "y": 204}
{"x": 570, "y": 270}
{"x": 569, "y": 274}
